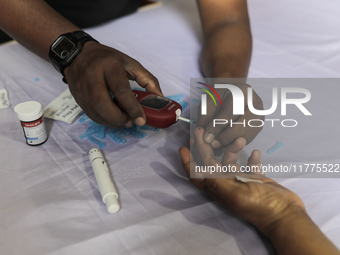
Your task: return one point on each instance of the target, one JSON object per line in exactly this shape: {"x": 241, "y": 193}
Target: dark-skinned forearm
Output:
{"x": 227, "y": 51}
{"x": 33, "y": 23}
{"x": 297, "y": 234}
{"x": 227, "y": 45}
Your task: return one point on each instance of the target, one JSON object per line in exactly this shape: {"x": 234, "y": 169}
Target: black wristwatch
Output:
{"x": 66, "y": 48}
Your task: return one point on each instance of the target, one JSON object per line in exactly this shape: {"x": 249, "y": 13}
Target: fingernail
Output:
{"x": 215, "y": 144}
{"x": 209, "y": 138}
{"x": 128, "y": 124}
{"x": 140, "y": 121}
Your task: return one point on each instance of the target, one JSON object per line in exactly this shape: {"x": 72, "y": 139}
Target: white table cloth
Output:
{"x": 50, "y": 202}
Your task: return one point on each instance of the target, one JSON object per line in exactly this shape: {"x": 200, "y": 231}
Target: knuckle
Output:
{"x": 119, "y": 90}
{"x": 154, "y": 80}
{"x": 132, "y": 65}
{"x": 97, "y": 103}
{"x": 115, "y": 61}
{"x": 133, "y": 111}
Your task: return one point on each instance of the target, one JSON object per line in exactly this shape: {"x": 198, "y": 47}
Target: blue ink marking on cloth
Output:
{"x": 146, "y": 127}
{"x": 115, "y": 134}
{"x": 91, "y": 122}
{"x": 83, "y": 118}
{"x": 139, "y": 134}
{"x": 100, "y": 144}
{"x": 97, "y": 128}
{"x": 139, "y": 89}
{"x": 184, "y": 104}
{"x": 101, "y": 133}
{"x": 176, "y": 98}
{"x": 195, "y": 101}
{"x": 116, "y": 137}
{"x": 89, "y": 131}
{"x": 275, "y": 148}
{"x": 179, "y": 99}
{"x": 37, "y": 79}
{"x": 124, "y": 131}
{"x": 114, "y": 130}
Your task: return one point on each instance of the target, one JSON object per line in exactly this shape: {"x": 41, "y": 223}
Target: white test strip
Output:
{"x": 186, "y": 120}
{"x": 243, "y": 179}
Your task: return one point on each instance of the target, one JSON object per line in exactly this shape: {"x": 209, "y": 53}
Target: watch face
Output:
{"x": 63, "y": 47}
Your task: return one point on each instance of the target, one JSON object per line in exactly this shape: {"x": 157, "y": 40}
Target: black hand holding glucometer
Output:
{"x": 160, "y": 112}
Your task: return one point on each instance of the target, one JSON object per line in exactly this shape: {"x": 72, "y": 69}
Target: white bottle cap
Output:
{"x": 111, "y": 202}
{"x": 29, "y": 111}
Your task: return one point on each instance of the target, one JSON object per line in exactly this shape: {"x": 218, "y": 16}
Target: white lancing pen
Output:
{"x": 102, "y": 174}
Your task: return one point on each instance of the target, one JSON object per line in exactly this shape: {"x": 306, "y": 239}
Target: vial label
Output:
{"x": 35, "y": 131}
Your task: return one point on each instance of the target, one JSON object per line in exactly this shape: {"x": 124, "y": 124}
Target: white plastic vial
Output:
{"x": 30, "y": 114}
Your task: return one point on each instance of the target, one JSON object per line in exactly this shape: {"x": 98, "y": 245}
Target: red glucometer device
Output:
{"x": 160, "y": 112}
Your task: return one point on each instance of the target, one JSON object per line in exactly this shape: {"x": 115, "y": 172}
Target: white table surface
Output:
{"x": 50, "y": 203}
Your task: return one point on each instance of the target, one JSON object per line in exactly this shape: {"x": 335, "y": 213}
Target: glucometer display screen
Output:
{"x": 155, "y": 102}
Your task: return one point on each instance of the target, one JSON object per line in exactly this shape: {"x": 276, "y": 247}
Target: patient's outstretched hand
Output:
{"x": 262, "y": 204}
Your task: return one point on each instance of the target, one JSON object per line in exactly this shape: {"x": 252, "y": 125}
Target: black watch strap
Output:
{"x": 78, "y": 38}
{"x": 82, "y": 36}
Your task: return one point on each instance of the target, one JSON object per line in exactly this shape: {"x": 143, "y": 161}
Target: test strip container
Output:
{"x": 30, "y": 114}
